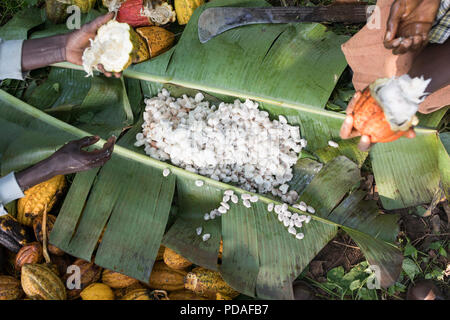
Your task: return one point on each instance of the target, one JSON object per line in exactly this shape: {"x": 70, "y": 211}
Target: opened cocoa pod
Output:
{"x": 37, "y": 198}
{"x": 387, "y": 108}
{"x": 139, "y": 13}
{"x": 158, "y": 39}
{"x": 13, "y": 235}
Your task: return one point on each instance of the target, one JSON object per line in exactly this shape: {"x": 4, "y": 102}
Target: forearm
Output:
{"x": 31, "y": 176}
{"x": 433, "y": 62}
{"x": 38, "y": 53}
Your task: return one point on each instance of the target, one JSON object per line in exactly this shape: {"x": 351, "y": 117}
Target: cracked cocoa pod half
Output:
{"x": 13, "y": 236}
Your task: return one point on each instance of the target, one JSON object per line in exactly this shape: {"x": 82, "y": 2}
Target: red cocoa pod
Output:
{"x": 130, "y": 12}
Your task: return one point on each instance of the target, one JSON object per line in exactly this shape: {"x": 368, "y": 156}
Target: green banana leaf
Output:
{"x": 444, "y": 162}
{"x": 17, "y": 28}
{"x": 291, "y": 70}
{"x": 129, "y": 200}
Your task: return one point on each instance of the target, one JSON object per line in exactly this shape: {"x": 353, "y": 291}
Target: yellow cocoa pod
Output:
{"x": 84, "y": 5}
{"x": 140, "y": 49}
{"x": 220, "y": 296}
{"x": 185, "y": 294}
{"x": 158, "y": 39}
{"x": 185, "y": 9}
{"x": 208, "y": 283}
{"x": 138, "y": 294}
{"x": 160, "y": 255}
{"x": 175, "y": 261}
{"x": 146, "y": 294}
{"x": 97, "y": 291}
{"x": 117, "y": 280}
{"x": 165, "y": 278}
{"x": 41, "y": 283}
{"x": 10, "y": 288}
{"x": 121, "y": 292}
{"x": 36, "y": 197}
{"x": 220, "y": 251}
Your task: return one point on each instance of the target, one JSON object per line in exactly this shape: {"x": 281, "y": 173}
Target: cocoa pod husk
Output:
{"x": 37, "y": 227}
{"x": 160, "y": 255}
{"x": 185, "y": 294}
{"x": 40, "y": 282}
{"x": 209, "y": 284}
{"x": 13, "y": 236}
{"x": 174, "y": 260}
{"x": 121, "y": 292}
{"x": 56, "y": 11}
{"x": 97, "y": 291}
{"x": 61, "y": 263}
{"x": 30, "y": 253}
{"x": 165, "y": 278}
{"x": 130, "y": 12}
{"x": 10, "y": 288}
{"x": 89, "y": 273}
{"x": 117, "y": 280}
{"x": 43, "y": 195}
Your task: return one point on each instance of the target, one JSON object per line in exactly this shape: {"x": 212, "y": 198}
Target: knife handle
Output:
{"x": 349, "y": 13}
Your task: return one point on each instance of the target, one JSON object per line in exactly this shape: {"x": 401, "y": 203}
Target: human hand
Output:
{"x": 68, "y": 159}
{"x": 409, "y": 23}
{"x": 348, "y": 131}
{"x": 78, "y": 41}
{"x": 71, "y": 158}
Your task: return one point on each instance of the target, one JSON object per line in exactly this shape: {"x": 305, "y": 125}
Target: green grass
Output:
{"x": 417, "y": 265}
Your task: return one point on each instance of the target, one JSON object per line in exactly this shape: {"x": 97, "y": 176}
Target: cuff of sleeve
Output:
{"x": 9, "y": 189}
{"x": 2, "y": 211}
{"x": 11, "y": 60}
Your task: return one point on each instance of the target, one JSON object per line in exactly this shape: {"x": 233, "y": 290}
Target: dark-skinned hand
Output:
{"x": 409, "y": 24}
{"x": 68, "y": 159}
{"x": 72, "y": 158}
{"x": 78, "y": 41}
{"x": 348, "y": 131}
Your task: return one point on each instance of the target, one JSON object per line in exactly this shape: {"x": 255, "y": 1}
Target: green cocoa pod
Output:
{"x": 56, "y": 10}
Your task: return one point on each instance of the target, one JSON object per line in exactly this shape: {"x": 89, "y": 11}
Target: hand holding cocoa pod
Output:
{"x": 384, "y": 111}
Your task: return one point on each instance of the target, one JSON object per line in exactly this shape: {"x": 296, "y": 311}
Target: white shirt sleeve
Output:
{"x": 11, "y": 60}
{"x": 9, "y": 191}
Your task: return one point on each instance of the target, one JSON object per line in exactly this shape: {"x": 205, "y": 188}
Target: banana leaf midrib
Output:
{"x": 122, "y": 151}
{"x": 168, "y": 80}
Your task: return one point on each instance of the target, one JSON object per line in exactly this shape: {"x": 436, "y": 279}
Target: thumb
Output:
{"x": 93, "y": 26}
